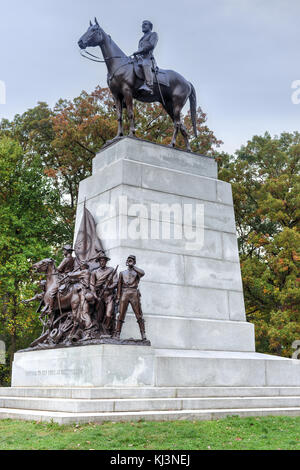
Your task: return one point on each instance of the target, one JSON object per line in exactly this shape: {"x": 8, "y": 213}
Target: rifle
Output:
{"x": 67, "y": 275}
{"x": 40, "y": 306}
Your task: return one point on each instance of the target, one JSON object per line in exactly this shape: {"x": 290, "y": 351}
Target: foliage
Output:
{"x": 28, "y": 233}
{"x": 265, "y": 176}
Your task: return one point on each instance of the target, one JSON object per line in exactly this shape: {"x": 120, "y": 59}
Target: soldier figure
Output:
{"x": 104, "y": 294}
{"x": 65, "y": 267}
{"x": 82, "y": 277}
{"x": 145, "y": 55}
{"x": 38, "y": 296}
{"x": 128, "y": 293}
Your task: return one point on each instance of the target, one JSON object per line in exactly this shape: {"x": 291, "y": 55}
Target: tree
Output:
{"x": 29, "y": 232}
{"x": 265, "y": 176}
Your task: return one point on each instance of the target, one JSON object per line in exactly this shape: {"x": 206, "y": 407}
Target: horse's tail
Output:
{"x": 193, "y": 103}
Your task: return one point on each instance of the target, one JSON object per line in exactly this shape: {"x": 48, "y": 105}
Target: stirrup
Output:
{"x": 146, "y": 89}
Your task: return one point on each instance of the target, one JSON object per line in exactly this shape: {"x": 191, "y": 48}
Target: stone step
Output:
{"x": 148, "y": 404}
{"x": 191, "y": 415}
{"x": 147, "y": 392}
{"x": 224, "y": 368}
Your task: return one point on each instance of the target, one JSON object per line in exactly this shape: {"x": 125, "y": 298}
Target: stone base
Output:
{"x": 124, "y": 366}
{"x": 85, "y": 366}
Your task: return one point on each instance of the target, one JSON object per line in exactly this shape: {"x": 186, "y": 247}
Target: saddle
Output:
{"x": 162, "y": 75}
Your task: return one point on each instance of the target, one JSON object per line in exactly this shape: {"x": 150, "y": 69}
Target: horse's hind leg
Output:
{"x": 174, "y": 109}
{"x": 177, "y": 124}
{"x": 175, "y": 133}
{"x": 185, "y": 136}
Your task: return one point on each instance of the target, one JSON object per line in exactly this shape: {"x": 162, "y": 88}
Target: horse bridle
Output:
{"x": 46, "y": 265}
{"x": 97, "y": 59}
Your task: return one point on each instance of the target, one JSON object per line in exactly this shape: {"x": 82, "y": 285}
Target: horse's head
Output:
{"x": 93, "y": 37}
{"x": 42, "y": 266}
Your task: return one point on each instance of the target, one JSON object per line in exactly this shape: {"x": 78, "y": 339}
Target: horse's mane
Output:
{"x": 113, "y": 44}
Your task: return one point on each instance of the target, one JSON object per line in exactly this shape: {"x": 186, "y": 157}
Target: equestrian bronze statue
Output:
{"x": 138, "y": 77}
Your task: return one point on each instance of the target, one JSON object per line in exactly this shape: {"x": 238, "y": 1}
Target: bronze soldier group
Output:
{"x": 98, "y": 300}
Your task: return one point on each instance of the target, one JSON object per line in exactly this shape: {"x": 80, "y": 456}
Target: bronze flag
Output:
{"x": 88, "y": 244}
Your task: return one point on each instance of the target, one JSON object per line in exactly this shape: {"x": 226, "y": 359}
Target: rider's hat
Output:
{"x": 102, "y": 255}
{"x": 67, "y": 248}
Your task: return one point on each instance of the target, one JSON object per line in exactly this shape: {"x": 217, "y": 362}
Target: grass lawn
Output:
{"x": 232, "y": 433}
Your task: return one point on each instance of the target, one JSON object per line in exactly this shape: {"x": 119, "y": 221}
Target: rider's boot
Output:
{"x": 145, "y": 88}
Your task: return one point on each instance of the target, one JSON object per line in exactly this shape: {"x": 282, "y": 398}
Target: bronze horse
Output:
{"x": 124, "y": 83}
{"x": 66, "y": 301}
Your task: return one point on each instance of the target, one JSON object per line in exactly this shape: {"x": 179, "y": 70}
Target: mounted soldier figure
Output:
{"x": 130, "y": 79}
{"x": 145, "y": 57}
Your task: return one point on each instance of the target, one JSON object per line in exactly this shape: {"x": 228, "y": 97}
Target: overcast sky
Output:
{"x": 241, "y": 55}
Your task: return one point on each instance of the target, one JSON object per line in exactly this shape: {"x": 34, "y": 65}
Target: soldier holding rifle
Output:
{"x": 104, "y": 281}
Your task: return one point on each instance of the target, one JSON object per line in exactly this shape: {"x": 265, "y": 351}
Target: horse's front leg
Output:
{"x": 119, "y": 107}
{"x": 129, "y": 105}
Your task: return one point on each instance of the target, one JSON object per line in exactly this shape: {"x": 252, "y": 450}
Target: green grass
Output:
{"x": 232, "y": 433}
